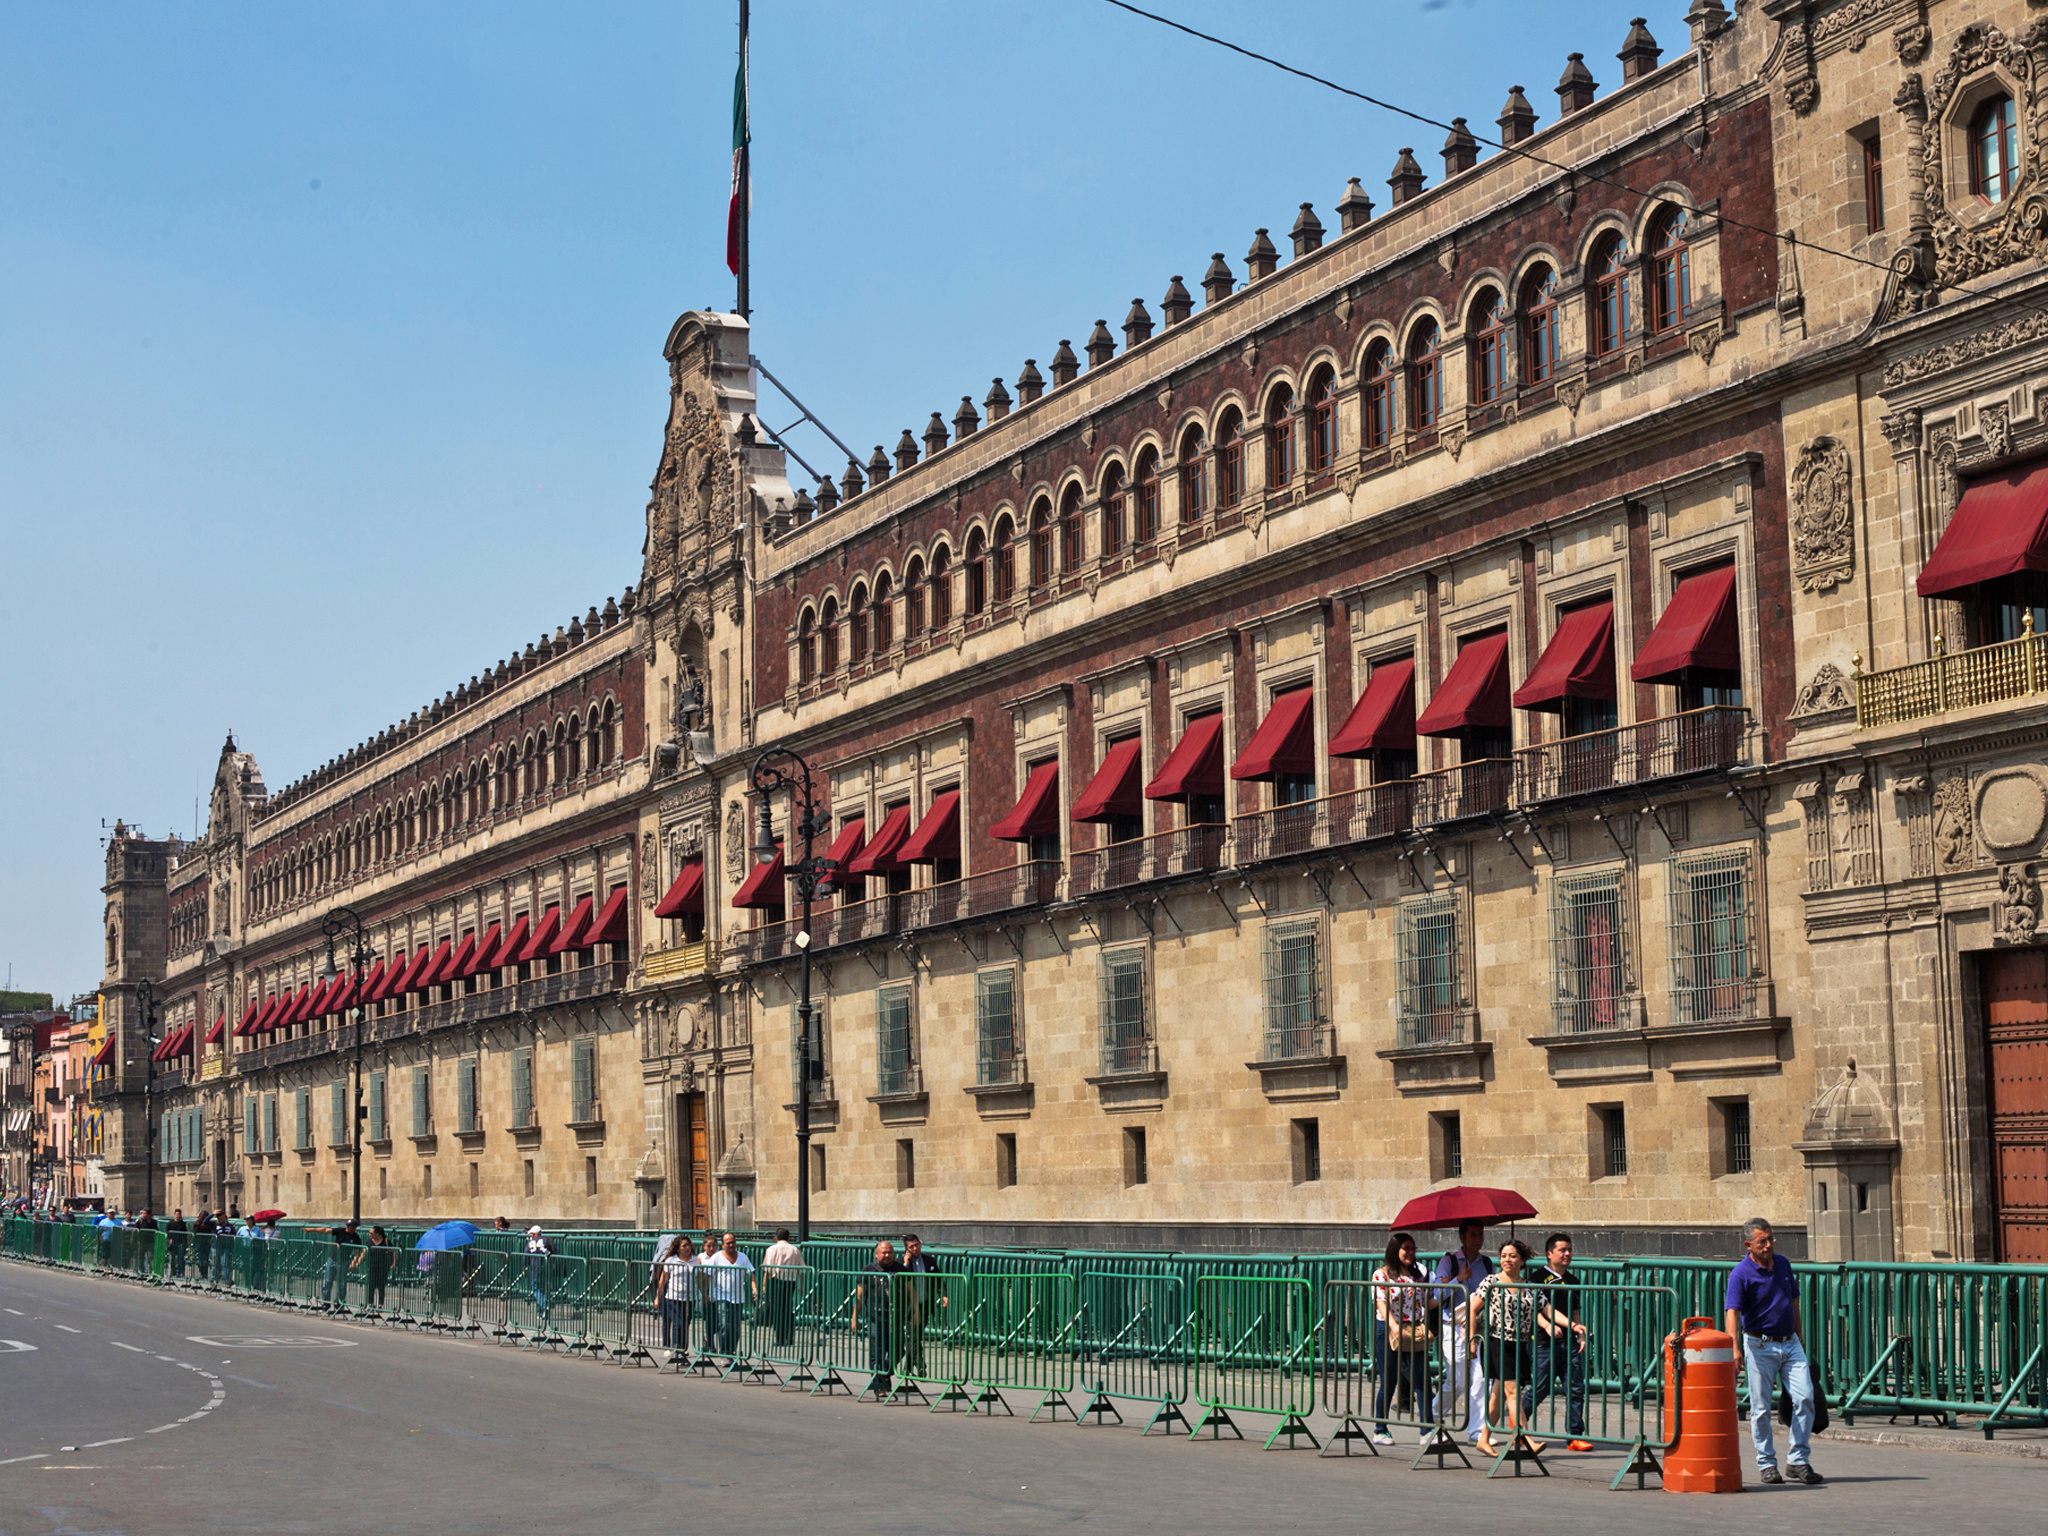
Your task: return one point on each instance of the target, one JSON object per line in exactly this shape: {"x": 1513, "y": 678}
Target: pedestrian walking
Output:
{"x": 778, "y": 1266}
{"x": 873, "y": 1297}
{"x": 345, "y": 1237}
{"x": 1504, "y": 1314}
{"x": 377, "y": 1256}
{"x": 1400, "y": 1334}
{"x": 732, "y": 1284}
{"x": 1560, "y": 1352}
{"x": 919, "y": 1294}
{"x": 539, "y": 1249}
{"x": 178, "y": 1232}
{"x": 1763, "y": 1312}
{"x": 670, "y": 1282}
{"x": 1464, "y": 1372}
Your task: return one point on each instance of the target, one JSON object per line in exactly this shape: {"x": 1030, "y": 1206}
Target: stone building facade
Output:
{"x": 1540, "y": 688}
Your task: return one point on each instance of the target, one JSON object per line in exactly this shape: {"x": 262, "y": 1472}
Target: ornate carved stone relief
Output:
{"x": 1826, "y": 696}
{"x": 2018, "y": 913}
{"x": 1955, "y": 840}
{"x": 1823, "y": 516}
{"x": 735, "y": 840}
{"x": 1910, "y": 801}
{"x": 2019, "y": 331}
{"x": 2011, "y": 806}
{"x": 2019, "y": 232}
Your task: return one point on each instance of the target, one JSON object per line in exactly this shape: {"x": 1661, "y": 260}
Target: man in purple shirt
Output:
{"x": 1763, "y": 1315}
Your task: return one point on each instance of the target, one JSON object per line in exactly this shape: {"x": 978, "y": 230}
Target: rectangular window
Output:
{"x": 1307, "y": 1145}
{"x": 427, "y": 1181}
{"x": 337, "y": 1115}
{"x": 590, "y": 1177}
{"x": 1446, "y": 1148}
{"x": 1730, "y": 1151}
{"x": 1607, "y": 1129}
{"x": 1427, "y": 941}
{"x": 1589, "y": 953}
{"x": 1713, "y": 966}
{"x": 529, "y": 1176}
{"x": 1135, "y": 1171}
{"x": 422, "y": 1101}
{"x": 998, "y": 1058}
{"x": 1292, "y": 991}
{"x": 465, "y": 1097}
{"x": 906, "y": 1164}
{"x": 270, "y": 1122}
{"x": 302, "y": 1119}
{"x": 1006, "y": 1159}
{"x": 475, "y": 1181}
{"x": 1125, "y": 1045}
{"x": 895, "y": 1071}
{"x": 380, "y": 1127}
{"x": 820, "y": 1089}
{"x": 522, "y": 1089}
{"x": 252, "y": 1125}
{"x": 1871, "y": 151}
{"x": 583, "y": 1106}
{"x": 817, "y": 1169}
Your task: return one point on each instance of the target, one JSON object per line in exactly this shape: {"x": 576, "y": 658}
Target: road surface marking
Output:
{"x": 17, "y": 1312}
{"x": 93, "y": 1445}
{"x": 129, "y": 1347}
{"x": 38, "y": 1456}
{"x": 269, "y": 1341}
{"x": 68, "y": 1329}
{"x": 16, "y": 1347}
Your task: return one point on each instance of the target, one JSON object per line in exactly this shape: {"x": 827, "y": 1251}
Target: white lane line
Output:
{"x": 68, "y": 1329}
{"x": 129, "y": 1347}
{"x": 93, "y": 1445}
{"x": 38, "y": 1456}
{"x": 17, "y": 1312}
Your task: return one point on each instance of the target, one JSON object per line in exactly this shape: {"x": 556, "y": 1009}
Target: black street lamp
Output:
{"x": 145, "y": 999}
{"x": 343, "y": 920}
{"x": 808, "y": 873}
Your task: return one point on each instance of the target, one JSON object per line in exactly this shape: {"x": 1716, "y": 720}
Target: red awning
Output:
{"x": 609, "y": 926}
{"x": 437, "y": 964}
{"x": 1383, "y": 719}
{"x": 1698, "y": 630}
{"x": 461, "y": 963}
{"x": 1577, "y": 664}
{"x": 294, "y": 1010}
{"x": 879, "y": 857}
{"x": 2000, "y": 528}
{"x": 845, "y": 849}
{"x": 543, "y": 940}
{"x": 1195, "y": 765}
{"x": 343, "y": 997}
{"x": 571, "y": 936}
{"x": 317, "y": 1009}
{"x": 268, "y": 1012}
{"x": 105, "y": 1053}
{"x": 514, "y": 942}
{"x": 1474, "y": 691}
{"x": 409, "y": 975}
{"x": 248, "y": 1018}
{"x": 1037, "y": 811}
{"x": 376, "y": 982}
{"x": 1118, "y": 786}
{"x": 687, "y": 894}
{"x": 163, "y": 1046}
{"x": 486, "y": 948}
{"x": 1285, "y": 741}
{"x": 220, "y": 1028}
{"x": 763, "y": 886}
{"x": 938, "y": 835}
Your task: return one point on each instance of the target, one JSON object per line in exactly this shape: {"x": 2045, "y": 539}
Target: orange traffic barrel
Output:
{"x": 1705, "y": 1454}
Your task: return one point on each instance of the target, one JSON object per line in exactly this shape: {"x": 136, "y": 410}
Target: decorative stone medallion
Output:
{"x": 2012, "y": 806}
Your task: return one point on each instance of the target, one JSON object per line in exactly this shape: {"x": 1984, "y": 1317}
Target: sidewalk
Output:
{"x": 1967, "y": 1438}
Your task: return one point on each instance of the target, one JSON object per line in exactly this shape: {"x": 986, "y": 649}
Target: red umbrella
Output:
{"x": 268, "y": 1216}
{"x": 1455, "y": 1207}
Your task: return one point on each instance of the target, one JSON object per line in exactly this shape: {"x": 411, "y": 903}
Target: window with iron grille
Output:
{"x": 1738, "y": 1137}
{"x": 466, "y": 1122}
{"x": 302, "y": 1119}
{"x": 1429, "y": 945}
{"x": 1588, "y": 952}
{"x": 583, "y": 1106}
{"x": 819, "y": 1056}
{"x": 337, "y": 1114}
{"x": 252, "y": 1124}
{"x": 1610, "y": 1141}
{"x": 380, "y": 1125}
{"x": 522, "y": 1089}
{"x": 1125, "y": 1043}
{"x": 422, "y": 1101}
{"x": 895, "y": 1070}
{"x": 1293, "y": 989}
{"x": 1713, "y": 962}
{"x": 997, "y": 1047}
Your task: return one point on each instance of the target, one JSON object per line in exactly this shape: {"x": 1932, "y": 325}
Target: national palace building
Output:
{"x": 1542, "y": 684}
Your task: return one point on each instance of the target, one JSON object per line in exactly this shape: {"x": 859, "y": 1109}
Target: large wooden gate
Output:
{"x": 2016, "y": 1068}
{"x": 696, "y": 1140}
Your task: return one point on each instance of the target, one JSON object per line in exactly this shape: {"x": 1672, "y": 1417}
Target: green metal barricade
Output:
{"x": 1135, "y": 1338}
{"x": 1913, "y": 1338}
{"x": 1019, "y": 1332}
{"x": 1381, "y": 1358}
{"x": 1255, "y": 1352}
{"x": 776, "y": 1334}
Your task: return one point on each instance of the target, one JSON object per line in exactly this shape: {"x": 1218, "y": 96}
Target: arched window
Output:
{"x": 1041, "y": 542}
{"x": 607, "y": 734}
{"x": 1322, "y": 422}
{"x": 1379, "y": 396}
{"x": 1539, "y": 326}
{"x": 1004, "y": 558}
{"x": 942, "y": 588}
{"x": 1610, "y": 296}
{"x": 1425, "y": 377}
{"x": 1229, "y": 461}
{"x": 857, "y": 626}
{"x": 560, "y": 763}
{"x": 1146, "y": 527}
{"x": 1489, "y": 328}
{"x": 575, "y": 751}
{"x": 1113, "y": 511}
{"x": 1671, "y": 272}
{"x": 1194, "y": 475}
{"x": 1280, "y": 438}
{"x": 532, "y": 767}
{"x": 806, "y": 646}
{"x": 592, "y": 759}
{"x": 828, "y": 638}
{"x": 885, "y": 614}
{"x": 1070, "y": 531}
{"x": 977, "y": 573}
{"x": 913, "y": 599}
{"x": 1994, "y": 149}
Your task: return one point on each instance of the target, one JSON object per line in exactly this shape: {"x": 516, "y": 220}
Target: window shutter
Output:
{"x": 582, "y": 1066}
{"x": 376, "y": 1106}
{"x": 465, "y": 1085}
{"x": 270, "y": 1122}
{"x": 302, "y": 1107}
{"x": 252, "y": 1125}
{"x": 337, "y": 1114}
{"x": 420, "y": 1118}
{"x": 522, "y": 1088}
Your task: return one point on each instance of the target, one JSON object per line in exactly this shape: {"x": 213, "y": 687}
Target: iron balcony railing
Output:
{"x": 1180, "y": 851}
{"x": 996, "y": 890}
{"x": 1949, "y": 680}
{"x": 1465, "y": 790}
{"x": 1290, "y": 1041}
{"x": 1359, "y": 815}
{"x": 1671, "y": 746}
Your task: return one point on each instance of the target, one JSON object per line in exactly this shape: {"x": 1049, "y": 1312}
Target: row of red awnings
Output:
{"x": 1999, "y": 528}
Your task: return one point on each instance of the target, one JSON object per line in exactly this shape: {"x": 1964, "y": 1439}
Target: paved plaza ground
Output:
{"x": 129, "y": 1409}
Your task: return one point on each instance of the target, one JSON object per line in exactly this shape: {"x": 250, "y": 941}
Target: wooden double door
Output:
{"x": 2016, "y": 1069}
{"x": 695, "y": 1135}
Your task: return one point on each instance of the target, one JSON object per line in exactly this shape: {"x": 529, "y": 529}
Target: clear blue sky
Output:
{"x": 330, "y": 341}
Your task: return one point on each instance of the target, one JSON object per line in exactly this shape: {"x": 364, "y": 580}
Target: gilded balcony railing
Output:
{"x": 1949, "y": 680}
{"x": 681, "y": 960}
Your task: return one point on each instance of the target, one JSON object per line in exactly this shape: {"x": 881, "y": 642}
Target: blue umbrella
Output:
{"x": 449, "y": 1234}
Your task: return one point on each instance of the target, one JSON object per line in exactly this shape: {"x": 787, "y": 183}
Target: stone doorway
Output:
{"x": 695, "y": 1137}
{"x": 2015, "y": 991}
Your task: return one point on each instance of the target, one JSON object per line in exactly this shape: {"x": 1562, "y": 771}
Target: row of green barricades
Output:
{"x": 1214, "y": 1335}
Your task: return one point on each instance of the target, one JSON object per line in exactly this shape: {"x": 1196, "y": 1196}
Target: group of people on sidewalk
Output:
{"x": 1488, "y": 1338}
{"x": 717, "y": 1284}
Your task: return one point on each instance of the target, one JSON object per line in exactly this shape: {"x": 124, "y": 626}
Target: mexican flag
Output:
{"x": 741, "y": 183}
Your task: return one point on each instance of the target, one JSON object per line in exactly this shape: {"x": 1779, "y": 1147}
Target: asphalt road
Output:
{"x": 137, "y": 1410}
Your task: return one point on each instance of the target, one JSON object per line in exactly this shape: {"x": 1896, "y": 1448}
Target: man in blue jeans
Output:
{"x": 1763, "y": 1314}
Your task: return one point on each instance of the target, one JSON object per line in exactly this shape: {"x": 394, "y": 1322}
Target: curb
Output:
{"x": 1954, "y": 1443}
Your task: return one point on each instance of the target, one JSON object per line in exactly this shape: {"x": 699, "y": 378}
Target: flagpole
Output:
{"x": 746, "y": 183}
